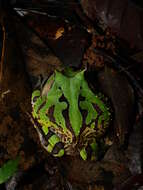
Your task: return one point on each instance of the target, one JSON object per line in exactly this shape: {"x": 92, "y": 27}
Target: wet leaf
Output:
{"x": 117, "y": 15}
{"x": 138, "y": 56}
{"x": 121, "y": 93}
{"x": 135, "y": 148}
{"x": 78, "y": 171}
{"x": 69, "y": 48}
{"x": 8, "y": 169}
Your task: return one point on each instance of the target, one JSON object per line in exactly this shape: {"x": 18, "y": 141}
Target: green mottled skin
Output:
{"x": 75, "y": 130}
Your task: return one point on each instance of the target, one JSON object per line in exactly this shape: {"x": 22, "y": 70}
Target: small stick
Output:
{"x": 3, "y": 53}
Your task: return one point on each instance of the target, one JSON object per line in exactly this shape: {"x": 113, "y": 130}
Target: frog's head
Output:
{"x": 68, "y": 107}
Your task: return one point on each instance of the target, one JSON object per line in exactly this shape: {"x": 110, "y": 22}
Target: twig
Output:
{"x": 3, "y": 53}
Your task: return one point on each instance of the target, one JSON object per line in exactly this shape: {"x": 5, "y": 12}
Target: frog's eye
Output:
{"x": 35, "y": 96}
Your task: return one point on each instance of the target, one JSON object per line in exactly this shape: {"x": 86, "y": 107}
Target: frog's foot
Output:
{"x": 94, "y": 151}
{"x": 51, "y": 142}
{"x": 55, "y": 147}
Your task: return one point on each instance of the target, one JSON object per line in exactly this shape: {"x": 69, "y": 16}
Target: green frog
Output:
{"x": 68, "y": 116}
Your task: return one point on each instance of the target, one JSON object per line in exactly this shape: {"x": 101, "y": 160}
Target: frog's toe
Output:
{"x": 83, "y": 154}
{"x": 60, "y": 153}
{"x": 57, "y": 150}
